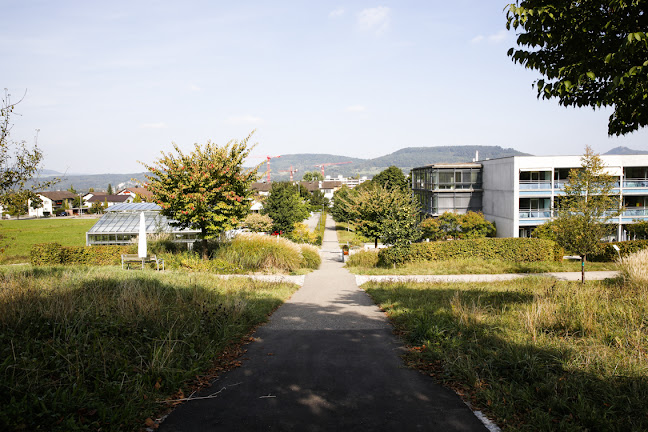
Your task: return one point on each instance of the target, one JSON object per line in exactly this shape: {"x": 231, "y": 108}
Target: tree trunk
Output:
{"x": 205, "y": 255}
{"x": 583, "y": 258}
{"x": 376, "y": 243}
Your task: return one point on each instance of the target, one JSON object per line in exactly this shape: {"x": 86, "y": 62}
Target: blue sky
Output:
{"x": 111, "y": 83}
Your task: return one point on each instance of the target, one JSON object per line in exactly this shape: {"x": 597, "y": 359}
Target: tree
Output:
{"x": 257, "y": 222}
{"x": 340, "y": 209}
{"x": 19, "y": 163}
{"x": 312, "y": 176}
{"x": 391, "y": 177}
{"x": 585, "y": 209}
{"x": 207, "y": 190}
{"x": 383, "y": 213}
{"x": 639, "y": 229}
{"x": 317, "y": 200}
{"x": 96, "y": 207}
{"x": 284, "y": 206}
{"x": 592, "y": 53}
{"x": 110, "y": 189}
{"x": 457, "y": 226}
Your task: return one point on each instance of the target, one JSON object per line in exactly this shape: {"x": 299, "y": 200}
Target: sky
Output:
{"x": 111, "y": 83}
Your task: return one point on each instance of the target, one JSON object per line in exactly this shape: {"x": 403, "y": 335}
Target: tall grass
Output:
{"x": 253, "y": 252}
{"x": 635, "y": 268}
{"x": 97, "y": 349}
{"x": 535, "y": 354}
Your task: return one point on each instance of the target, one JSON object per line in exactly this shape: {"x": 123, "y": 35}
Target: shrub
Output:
{"x": 301, "y": 234}
{"x": 505, "y": 249}
{"x": 54, "y": 253}
{"x": 634, "y": 268}
{"x": 608, "y": 253}
{"x": 258, "y": 223}
{"x": 363, "y": 259}
{"x": 310, "y": 257}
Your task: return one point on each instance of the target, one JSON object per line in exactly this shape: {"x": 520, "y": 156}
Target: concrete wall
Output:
{"x": 500, "y": 199}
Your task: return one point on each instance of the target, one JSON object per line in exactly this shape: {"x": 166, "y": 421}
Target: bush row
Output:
{"x": 608, "y": 253}
{"x": 505, "y": 249}
{"x": 54, "y": 253}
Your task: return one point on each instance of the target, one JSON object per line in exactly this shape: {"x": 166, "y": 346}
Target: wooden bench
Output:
{"x": 127, "y": 259}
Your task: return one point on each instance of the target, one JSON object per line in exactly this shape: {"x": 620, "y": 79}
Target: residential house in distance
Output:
{"x": 51, "y": 203}
{"x": 518, "y": 193}
{"x": 110, "y": 200}
{"x": 143, "y": 192}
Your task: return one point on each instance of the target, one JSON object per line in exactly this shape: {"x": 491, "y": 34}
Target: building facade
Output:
{"x": 518, "y": 193}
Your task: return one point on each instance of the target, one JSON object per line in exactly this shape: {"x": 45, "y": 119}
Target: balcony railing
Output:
{"x": 635, "y": 183}
{"x": 534, "y": 184}
{"x": 636, "y": 211}
{"x": 539, "y": 213}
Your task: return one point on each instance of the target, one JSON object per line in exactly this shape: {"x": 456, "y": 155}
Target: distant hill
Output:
{"x": 405, "y": 159}
{"x": 625, "y": 151}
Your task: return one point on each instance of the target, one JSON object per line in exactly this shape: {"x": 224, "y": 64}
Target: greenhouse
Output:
{"x": 121, "y": 223}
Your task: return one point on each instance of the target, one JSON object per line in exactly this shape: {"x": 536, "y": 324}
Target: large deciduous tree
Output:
{"x": 285, "y": 206}
{"x": 384, "y": 213}
{"x": 585, "y": 209}
{"x": 312, "y": 176}
{"x": 592, "y": 53}
{"x": 391, "y": 177}
{"x": 206, "y": 190}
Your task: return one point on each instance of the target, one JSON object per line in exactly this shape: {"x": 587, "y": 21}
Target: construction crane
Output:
{"x": 267, "y": 158}
{"x": 321, "y": 166}
{"x": 291, "y": 171}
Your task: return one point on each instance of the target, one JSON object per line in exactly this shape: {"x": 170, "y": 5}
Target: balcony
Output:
{"x": 636, "y": 211}
{"x": 534, "y": 185}
{"x": 635, "y": 183}
{"x": 536, "y": 213}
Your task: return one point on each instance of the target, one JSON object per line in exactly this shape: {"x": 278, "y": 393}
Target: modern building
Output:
{"x": 121, "y": 222}
{"x": 518, "y": 193}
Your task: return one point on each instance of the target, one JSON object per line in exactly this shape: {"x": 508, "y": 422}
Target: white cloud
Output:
{"x": 244, "y": 120}
{"x": 356, "y": 108}
{"x": 477, "y": 39}
{"x": 336, "y": 12}
{"x": 494, "y": 38}
{"x": 159, "y": 125}
{"x": 374, "y": 20}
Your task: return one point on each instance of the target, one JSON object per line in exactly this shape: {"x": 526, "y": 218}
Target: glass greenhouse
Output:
{"x": 121, "y": 222}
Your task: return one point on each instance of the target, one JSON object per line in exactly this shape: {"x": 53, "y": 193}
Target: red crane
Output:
{"x": 321, "y": 166}
{"x": 291, "y": 171}
{"x": 267, "y": 157}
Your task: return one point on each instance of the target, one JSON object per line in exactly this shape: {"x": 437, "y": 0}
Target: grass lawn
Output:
{"x": 346, "y": 234}
{"x": 18, "y": 236}
{"x": 534, "y": 354}
{"x": 98, "y": 348}
{"x": 476, "y": 266}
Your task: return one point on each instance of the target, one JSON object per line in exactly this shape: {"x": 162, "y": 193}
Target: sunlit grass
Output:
{"x": 18, "y": 236}
{"x": 90, "y": 348}
{"x": 365, "y": 263}
{"x": 536, "y": 354}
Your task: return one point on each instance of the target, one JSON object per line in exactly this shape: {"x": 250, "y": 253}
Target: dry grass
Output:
{"x": 635, "y": 268}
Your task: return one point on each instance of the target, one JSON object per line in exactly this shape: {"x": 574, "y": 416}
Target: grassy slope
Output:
{"x": 90, "y": 348}
{"x": 18, "y": 236}
{"x": 534, "y": 354}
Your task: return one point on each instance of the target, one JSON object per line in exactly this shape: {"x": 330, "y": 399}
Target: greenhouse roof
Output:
{"x": 125, "y": 218}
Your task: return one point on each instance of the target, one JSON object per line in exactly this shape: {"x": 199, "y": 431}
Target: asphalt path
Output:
{"x": 327, "y": 360}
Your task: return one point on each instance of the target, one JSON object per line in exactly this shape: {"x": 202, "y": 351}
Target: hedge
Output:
{"x": 505, "y": 249}
{"x": 54, "y": 253}
{"x": 608, "y": 253}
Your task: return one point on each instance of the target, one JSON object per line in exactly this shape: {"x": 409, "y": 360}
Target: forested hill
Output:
{"x": 625, "y": 151}
{"x": 405, "y": 159}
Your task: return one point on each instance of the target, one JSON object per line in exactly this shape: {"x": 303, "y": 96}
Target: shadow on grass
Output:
{"x": 100, "y": 354}
{"x": 522, "y": 384}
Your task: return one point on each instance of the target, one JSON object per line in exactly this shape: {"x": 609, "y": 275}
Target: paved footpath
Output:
{"x": 326, "y": 361}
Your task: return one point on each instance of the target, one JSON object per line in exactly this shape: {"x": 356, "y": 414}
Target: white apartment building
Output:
{"x": 517, "y": 193}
